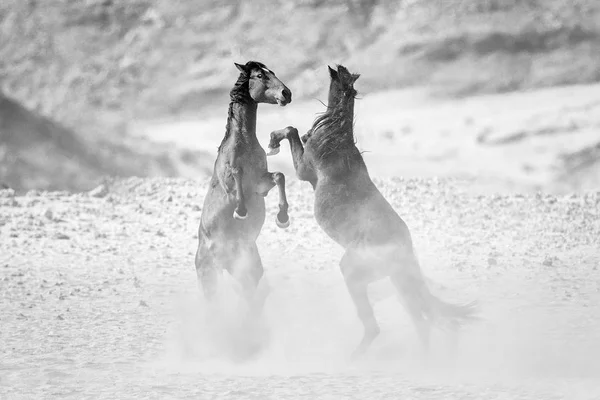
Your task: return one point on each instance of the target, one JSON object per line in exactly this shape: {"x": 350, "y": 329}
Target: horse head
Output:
{"x": 263, "y": 85}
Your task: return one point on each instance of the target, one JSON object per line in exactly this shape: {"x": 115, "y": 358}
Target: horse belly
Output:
{"x": 352, "y": 217}
{"x": 336, "y": 222}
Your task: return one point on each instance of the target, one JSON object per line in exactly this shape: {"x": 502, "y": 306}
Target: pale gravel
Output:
{"x": 98, "y": 299}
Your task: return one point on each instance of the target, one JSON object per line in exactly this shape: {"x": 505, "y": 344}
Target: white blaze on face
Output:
{"x": 267, "y": 70}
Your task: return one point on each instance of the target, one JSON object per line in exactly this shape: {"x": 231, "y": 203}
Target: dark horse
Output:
{"x": 234, "y": 207}
{"x": 353, "y": 212}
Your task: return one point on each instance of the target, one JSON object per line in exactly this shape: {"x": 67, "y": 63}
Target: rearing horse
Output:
{"x": 353, "y": 212}
{"x": 234, "y": 207}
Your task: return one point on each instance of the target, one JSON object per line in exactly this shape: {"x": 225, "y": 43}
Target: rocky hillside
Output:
{"x": 94, "y": 66}
{"x": 149, "y": 56}
{"x": 39, "y": 153}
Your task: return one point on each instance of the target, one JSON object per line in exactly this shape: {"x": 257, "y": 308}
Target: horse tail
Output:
{"x": 452, "y": 316}
{"x": 445, "y": 315}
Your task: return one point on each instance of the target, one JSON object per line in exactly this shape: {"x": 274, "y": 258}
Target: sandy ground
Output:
{"x": 98, "y": 299}
{"x": 516, "y": 142}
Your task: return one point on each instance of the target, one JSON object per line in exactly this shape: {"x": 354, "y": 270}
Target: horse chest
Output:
{"x": 252, "y": 161}
{"x": 253, "y": 164}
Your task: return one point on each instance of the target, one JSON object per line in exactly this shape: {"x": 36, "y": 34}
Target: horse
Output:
{"x": 353, "y": 212}
{"x": 296, "y": 142}
{"x": 233, "y": 213}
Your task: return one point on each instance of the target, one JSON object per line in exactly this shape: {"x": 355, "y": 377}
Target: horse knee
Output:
{"x": 207, "y": 274}
{"x": 276, "y": 138}
{"x": 201, "y": 251}
{"x": 209, "y": 285}
{"x": 351, "y": 268}
{"x": 278, "y": 178}
{"x": 207, "y": 267}
{"x": 249, "y": 281}
{"x": 257, "y": 274}
{"x": 290, "y": 130}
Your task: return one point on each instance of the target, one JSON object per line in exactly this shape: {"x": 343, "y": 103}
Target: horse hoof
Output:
{"x": 238, "y": 216}
{"x": 282, "y": 225}
{"x": 273, "y": 151}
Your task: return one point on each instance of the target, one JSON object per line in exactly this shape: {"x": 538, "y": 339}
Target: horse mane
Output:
{"x": 240, "y": 93}
{"x": 333, "y": 130}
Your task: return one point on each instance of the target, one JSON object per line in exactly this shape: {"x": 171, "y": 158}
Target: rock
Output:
{"x": 49, "y": 214}
{"x": 550, "y": 261}
{"x": 6, "y": 192}
{"x": 9, "y": 202}
{"x": 99, "y": 191}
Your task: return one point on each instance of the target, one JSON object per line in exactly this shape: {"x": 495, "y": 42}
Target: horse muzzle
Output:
{"x": 285, "y": 98}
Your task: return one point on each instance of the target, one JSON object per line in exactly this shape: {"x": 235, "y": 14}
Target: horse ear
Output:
{"x": 241, "y": 67}
{"x": 332, "y": 73}
{"x": 355, "y": 77}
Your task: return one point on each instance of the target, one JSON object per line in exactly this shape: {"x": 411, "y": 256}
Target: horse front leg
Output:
{"x": 276, "y": 138}
{"x": 240, "y": 211}
{"x": 303, "y": 167}
{"x": 269, "y": 180}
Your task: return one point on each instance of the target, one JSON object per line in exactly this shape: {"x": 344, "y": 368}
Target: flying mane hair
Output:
{"x": 333, "y": 130}
{"x": 240, "y": 93}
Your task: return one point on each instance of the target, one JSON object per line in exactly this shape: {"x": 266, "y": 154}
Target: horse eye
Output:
{"x": 259, "y": 76}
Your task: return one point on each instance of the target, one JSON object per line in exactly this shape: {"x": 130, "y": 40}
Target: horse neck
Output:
{"x": 333, "y": 138}
{"x": 331, "y": 98}
{"x": 241, "y": 123}
{"x": 350, "y": 110}
{"x": 347, "y": 107}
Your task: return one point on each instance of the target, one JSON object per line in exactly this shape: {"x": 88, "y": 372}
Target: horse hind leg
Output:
{"x": 355, "y": 275}
{"x": 248, "y": 271}
{"x": 251, "y": 335}
{"x": 207, "y": 271}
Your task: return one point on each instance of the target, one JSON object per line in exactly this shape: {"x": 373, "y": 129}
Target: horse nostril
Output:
{"x": 286, "y": 94}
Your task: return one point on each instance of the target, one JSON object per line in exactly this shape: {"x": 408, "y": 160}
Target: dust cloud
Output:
{"x": 309, "y": 326}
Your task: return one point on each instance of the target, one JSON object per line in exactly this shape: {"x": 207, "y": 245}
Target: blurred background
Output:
{"x": 504, "y": 91}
